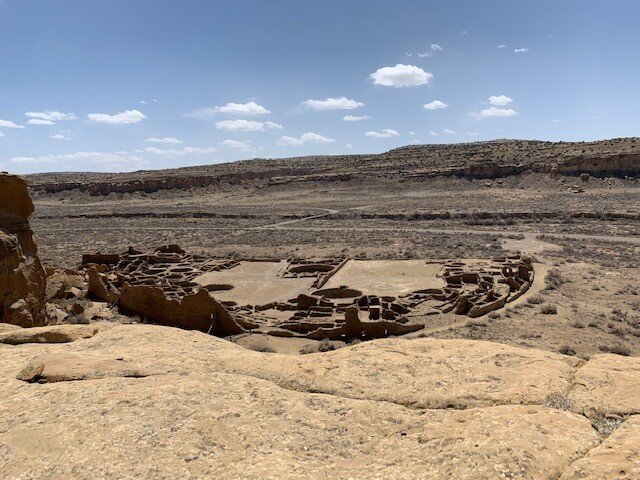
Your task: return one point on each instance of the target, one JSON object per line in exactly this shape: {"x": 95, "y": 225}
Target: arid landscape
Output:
{"x": 454, "y": 311}
{"x": 574, "y": 208}
{"x": 319, "y": 240}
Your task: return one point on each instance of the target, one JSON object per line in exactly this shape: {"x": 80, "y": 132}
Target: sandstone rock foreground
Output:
{"x": 22, "y": 277}
{"x": 392, "y": 409}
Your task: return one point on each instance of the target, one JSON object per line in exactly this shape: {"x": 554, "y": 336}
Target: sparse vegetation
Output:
{"x": 549, "y": 309}
{"x": 567, "y": 350}
{"x": 616, "y": 350}
{"x": 559, "y": 401}
{"x": 554, "y": 279}
{"x": 606, "y": 424}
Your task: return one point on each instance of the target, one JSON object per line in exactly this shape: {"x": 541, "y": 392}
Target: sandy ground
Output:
{"x": 387, "y": 277}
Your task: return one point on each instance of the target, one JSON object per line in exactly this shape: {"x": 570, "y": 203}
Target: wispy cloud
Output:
{"x": 121, "y": 118}
{"x": 48, "y": 117}
{"x": 242, "y": 109}
{"x": 40, "y": 121}
{"x": 341, "y": 103}
{"x": 173, "y": 152}
{"x": 308, "y": 137}
{"x": 243, "y": 146}
{"x": 241, "y": 125}
{"x": 521, "y": 50}
{"x": 59, "y": 136}
{"x": 106, "y": 161}
{"x": 173, "y": 140}
{"x": 493, "y": 112}
{"x": 386, "y": 133}
{"x": 436, "y": 47}
{"x": 353, "y": 118}
{"x": 9, "y": 124}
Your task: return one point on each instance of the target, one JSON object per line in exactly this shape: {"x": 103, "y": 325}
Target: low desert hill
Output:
{"x": 493, "y": 159}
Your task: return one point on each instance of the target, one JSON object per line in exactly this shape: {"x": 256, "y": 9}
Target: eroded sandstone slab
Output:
{"x": 50, "y": 334}
{"x": 65, "y": 367}
{"x": 617, "y": 458}
{"x": 608, "y": 384}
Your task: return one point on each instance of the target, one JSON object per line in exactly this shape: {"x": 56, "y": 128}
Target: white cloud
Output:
{"x": 173, "y": 140}
{"x": 412, "y": 133}
{"x": 241, "y": 125}
{"x": 502, "y": 45}
{"x": 1, "y": 135}
{"x": 172, "y": 152}
{"x": 353, "y": 118}
{"x": 500, "y": 100}
{"x": 386, "y": 133}
{"x": 59, "y": 136}
{"x": 415, "y": 142}
{"x": 555, "y": 121}
{"x": 400, "y": 76}
{"x": 425, "y": 54}
{"x": 342, "y": 103}
{"x": 348, "y": 145}
{"x": 473, "y": 134}
{"x": 249, "y": 109}
{"x": 121, "y": 118}
{"x": 40, "y": 121}
{"x": 142, "y": 102}
{"x": 236, "y": 144}
{"x": 495, "y": 112}
{"x": 433, "y": 134}
{"x": 9, "y": 124}
{"x": 521, "y": 50}
{"x": 448, "y": 132}
{"x": 246, "y": 146}
{"x": 103, "y": 160}
{"x": 436, "y": 47}
{"x": 286, "y": 141}
{"x": 435, "y": 105}
{"x": 51, "y": 116}
{"x": 308, "y": 137}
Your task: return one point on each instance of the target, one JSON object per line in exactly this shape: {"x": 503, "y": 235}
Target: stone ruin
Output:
{"x": 161, "y": 287}
{"x": 477, "y": 291}
{"x": 322, "y": 270}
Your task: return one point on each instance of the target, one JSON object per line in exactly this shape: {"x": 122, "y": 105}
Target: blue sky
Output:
{"x": 130, "y": 84}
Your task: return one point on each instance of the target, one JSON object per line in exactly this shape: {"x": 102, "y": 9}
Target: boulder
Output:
{"x": 22, "y": 277}
{"x": 51, "y": 334}
{"x": 64, "y": 367}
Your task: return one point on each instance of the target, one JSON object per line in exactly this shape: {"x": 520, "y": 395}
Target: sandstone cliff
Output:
{"x": 22, "y": 277}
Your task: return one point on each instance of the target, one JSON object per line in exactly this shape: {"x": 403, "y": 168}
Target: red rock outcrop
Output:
{"x": 22, "y": 277}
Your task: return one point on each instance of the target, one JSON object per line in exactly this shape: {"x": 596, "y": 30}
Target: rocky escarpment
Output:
{"x": 22, "y": 277}
{"x": 494, "y": 159}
